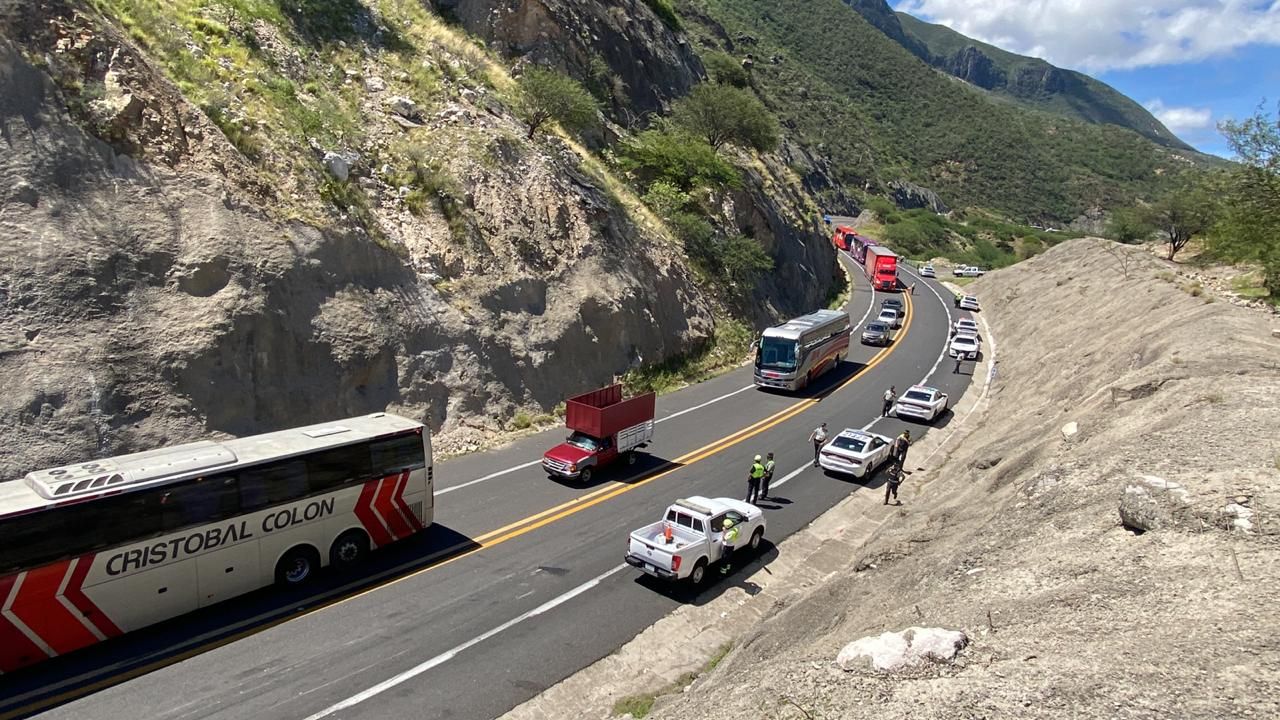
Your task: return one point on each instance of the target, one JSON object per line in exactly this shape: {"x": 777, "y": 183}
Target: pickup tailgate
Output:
{"x": 652, "y": 552}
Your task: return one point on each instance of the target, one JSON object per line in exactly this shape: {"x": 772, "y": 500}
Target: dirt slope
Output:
{"x": 1016, "y": 538}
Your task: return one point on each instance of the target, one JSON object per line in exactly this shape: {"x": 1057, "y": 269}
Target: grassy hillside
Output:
{"x": 1038, "y": 84}
{"x": 880, "y": 113}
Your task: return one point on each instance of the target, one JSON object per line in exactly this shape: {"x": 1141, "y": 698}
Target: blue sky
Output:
{"x": 1193, "y": 63}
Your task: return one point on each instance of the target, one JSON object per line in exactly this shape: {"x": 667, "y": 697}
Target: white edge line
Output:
{"x": 709, "y": 402}
{"x": 986, "y": 386}
{"x": 448, "y": 655}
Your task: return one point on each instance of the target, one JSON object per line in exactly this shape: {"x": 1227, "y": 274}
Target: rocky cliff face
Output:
{"x": 154, "y": 292}
{"x": 622, "y": 48}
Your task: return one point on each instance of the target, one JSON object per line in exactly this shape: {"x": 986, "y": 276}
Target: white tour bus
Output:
{"x": 790, "y": 356}
{"x": 96, "y": 549}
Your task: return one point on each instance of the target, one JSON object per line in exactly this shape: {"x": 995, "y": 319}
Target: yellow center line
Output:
{"x": 502, "y": 534}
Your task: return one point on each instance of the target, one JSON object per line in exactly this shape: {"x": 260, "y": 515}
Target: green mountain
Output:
{"x": 847, "y": 91}
{"x": 1027, "y": 80}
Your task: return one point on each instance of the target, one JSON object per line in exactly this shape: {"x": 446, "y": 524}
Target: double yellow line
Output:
{"x": 503, "y": 534}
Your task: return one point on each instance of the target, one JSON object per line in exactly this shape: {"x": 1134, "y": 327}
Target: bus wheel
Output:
{"x": 349, "y": 550}
{"x": 297, "y": 566}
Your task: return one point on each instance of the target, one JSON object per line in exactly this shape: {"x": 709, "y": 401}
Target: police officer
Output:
{"x": 753, "y": 480}
{"x": 730, "y": 538}
{"x": 768, "y": 477}
{"x": 818, "y": 437}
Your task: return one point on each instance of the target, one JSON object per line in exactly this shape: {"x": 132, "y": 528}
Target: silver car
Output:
{"x": 877, "y": 333}
{"x": 889, "y": 317}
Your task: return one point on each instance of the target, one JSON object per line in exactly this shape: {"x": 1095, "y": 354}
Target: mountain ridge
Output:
{"x": 1028, "y": 81}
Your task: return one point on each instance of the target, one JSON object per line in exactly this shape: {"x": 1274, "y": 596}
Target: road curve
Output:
{"x": 517, "y": 585}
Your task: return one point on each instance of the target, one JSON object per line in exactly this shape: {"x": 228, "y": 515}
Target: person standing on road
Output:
{"x": 959, "y": 359}
{"x": 729, "y": 538}
{"x": 768, "y": 477}
{"x": 890, "y": 396}
{"x": 818, "y": 437}
{"x": 899, "y": 449}
{"x": 753, "y": 481}
{"x": 913, "y": 288}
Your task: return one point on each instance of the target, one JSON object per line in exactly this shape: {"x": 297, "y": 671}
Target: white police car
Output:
{"x": 854, "y": 452}
{"x": 922, "y": 403}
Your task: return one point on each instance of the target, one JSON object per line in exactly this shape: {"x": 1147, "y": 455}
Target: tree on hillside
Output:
{"x": 1248, "y": 229}
{"x": 723, "y": 114}
{"x": 725, "y": 70}
{"x": 1130, "y": 226}
{"x": 1181, "y": 215}
{"x": 549, "y": 95}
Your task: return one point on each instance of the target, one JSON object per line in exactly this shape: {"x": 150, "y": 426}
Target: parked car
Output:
{"x": 964, "y": 346}
{"x": 877, "y": 333}
{"x": 966, "y": 326}
{"x": 969, "y": 302}
{"x": 921, "y": 402}
{"x": 691, "y": 537}
{"x": 889, "y": 317}
{"x": 968, "y": 271}
{"x": 854, "y": 452}
{"x": 928, "y": 271}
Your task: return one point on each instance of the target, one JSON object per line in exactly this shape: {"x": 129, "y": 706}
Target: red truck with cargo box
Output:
{"x": 605, "y": 427}
{"x": 881, "y": 267}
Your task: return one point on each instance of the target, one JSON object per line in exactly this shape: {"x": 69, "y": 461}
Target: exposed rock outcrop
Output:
{"x": 622, "y": 49}
{"x": 908, "y": 196}
{"x": 149, "y": 300}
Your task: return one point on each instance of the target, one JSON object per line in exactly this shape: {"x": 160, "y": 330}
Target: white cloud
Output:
{"x": 1098, "y": 35}
{"x": 1181, "y": 120}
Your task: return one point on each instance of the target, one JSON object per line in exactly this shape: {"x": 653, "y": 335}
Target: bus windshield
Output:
{"x": 777, "y": 353}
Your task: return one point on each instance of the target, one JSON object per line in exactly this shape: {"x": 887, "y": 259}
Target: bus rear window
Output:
{"x": 398, "y": 454}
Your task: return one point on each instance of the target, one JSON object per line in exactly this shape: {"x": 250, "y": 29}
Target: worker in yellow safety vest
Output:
{"x": 753, "y": 480}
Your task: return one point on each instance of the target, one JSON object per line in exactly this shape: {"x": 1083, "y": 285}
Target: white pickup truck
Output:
{"x": 691, "y": 537}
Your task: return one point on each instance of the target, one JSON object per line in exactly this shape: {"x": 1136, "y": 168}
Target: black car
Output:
{"x": 894, "y": 303}
{"x": 876, "y": 333}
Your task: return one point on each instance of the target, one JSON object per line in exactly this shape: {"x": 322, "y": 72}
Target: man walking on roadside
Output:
{"x": 768, "y": 477}
{"x": 818, "y": 437}
{"x": 893, "y": 478}
{"x": 753, "y": 481}
{"x": 890, "y": 396}
{"x": 899, "y": 449}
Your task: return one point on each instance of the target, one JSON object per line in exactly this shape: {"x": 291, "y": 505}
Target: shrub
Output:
{"x": 677, "y": 158}
{"x": 522, "y": 420}
{"x": 549, "y": 95}
{"x": 726, "y": 70}
{"x": 726, "y": 115}
{"x": 744, "y": 260}
{"x": 666, "y": 12}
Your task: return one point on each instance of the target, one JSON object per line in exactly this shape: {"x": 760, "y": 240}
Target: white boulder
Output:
{"x": 892, "y": 651}
{"x": 1149, "y": 502}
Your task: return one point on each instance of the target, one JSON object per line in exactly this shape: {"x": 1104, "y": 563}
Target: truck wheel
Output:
{"x": 585, "y": 475}
{"x": 756, "y": 538}
{"x": 699, "y": 572}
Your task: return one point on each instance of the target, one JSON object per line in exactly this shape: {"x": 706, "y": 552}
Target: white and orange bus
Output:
{"x": 96, "y": 549}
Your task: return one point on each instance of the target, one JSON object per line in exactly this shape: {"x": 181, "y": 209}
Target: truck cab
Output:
{"x": 604, "y": 428}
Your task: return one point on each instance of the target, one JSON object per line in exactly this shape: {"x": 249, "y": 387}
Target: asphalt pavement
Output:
{"x": 518, "y": 584}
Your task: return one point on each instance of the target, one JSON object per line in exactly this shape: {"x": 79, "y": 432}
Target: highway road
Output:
{"x": 520, "y": 582}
